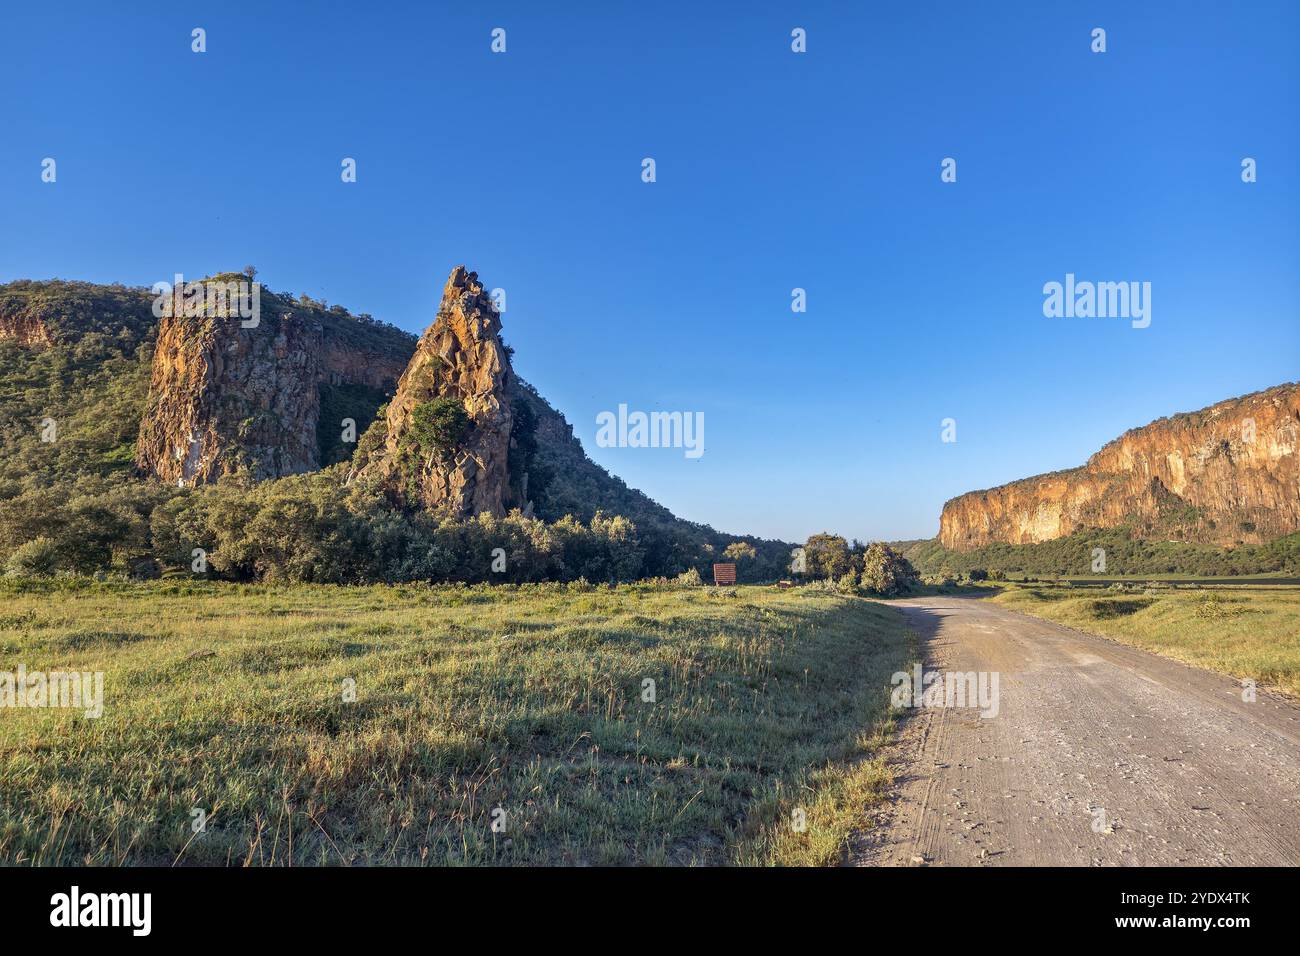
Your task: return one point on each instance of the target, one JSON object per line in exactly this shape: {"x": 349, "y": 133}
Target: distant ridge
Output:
{"x": 1226, "y": 474}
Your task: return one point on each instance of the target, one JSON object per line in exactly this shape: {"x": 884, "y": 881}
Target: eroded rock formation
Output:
{"x": 460, "y": 362}
{"x": 1225, "y": 474}
{"x": 24, "y": 329}
{"x": 225, "y": 398}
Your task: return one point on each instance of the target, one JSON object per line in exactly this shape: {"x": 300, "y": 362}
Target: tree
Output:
{"x": 740, "y": 551}
{"x": 40, "y": 556}
{"x": 885, "y": 571}
{"x": 827, "y": 556}
{"x": 438, "y": 426}
{"x": 623, "y": 552}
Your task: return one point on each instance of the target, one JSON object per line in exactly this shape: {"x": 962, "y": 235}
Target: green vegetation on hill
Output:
{"x": 83, "y": 395}
{"x": 83, "y": 312}
{"x": 1126, "y": 554}
{"x": 75, "y": 505}
{"x": 360, "y": 331}
{"x": 529, "y": 707}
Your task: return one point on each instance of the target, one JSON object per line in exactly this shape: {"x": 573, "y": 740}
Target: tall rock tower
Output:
{"x": 444, "y": 443}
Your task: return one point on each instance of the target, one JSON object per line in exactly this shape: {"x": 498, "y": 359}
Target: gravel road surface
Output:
{"x": 1099, "y": 755}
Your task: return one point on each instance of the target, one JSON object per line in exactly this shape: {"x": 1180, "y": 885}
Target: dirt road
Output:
{"x": 1099, "y": 755}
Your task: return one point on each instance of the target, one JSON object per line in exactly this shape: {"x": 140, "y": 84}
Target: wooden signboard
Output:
{"x": 724, "y": 574}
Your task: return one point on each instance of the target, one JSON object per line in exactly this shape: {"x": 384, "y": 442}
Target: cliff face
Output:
{"x": 1225, "y": 474}
{"x": 226, "y": 399}
{"x": 24, "y": 329}
{"x": 344, "y": 363}
{"x": 460, "y": 362}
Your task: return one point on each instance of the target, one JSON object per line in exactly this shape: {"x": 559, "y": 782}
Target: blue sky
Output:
{"x": 775, "y": 170}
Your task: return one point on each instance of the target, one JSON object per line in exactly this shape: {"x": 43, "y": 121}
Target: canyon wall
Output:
{"x": 1225, "y": 474}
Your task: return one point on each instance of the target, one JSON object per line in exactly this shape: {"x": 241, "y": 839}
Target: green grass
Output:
{"x": 1243, "y": 631}
{"x": 229, "y": 698}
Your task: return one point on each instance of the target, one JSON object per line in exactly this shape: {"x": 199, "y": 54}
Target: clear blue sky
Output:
{"x": 775, "y": 170}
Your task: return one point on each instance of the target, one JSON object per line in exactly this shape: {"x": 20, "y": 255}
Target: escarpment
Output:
{"x": 374, "y": 366}
{"x": 445, "y": 441}
{"x": 450, "y": 426}
{"x": 1226, "y": 474}
{"x": 231, "y": 395}
{"x": 225, "y": 399}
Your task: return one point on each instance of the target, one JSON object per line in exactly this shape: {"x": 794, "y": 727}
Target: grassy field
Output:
{"x": 1244, "y": 631}
{"x": 524, "y": 706}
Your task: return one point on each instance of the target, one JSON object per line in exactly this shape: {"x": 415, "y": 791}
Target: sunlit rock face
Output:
{"x": 461, "y": 358}
{"x": 229, "y": 395}
{"x": 24, "y": 329}
{"x": 1225, "y": 474}
{"x": 225, "y": 398}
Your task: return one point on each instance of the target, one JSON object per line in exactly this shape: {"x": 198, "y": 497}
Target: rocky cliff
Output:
{"x": 24, "y": 329}
{"x": 445, "y": 441}
{"x": 226, "y": 398}
{"x": 1225, "y": 474}
{"x": 220, "y": 401}
{"x": 42, "y": 314}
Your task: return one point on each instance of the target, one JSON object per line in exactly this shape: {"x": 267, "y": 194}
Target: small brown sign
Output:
{"x": 724, "y": 574}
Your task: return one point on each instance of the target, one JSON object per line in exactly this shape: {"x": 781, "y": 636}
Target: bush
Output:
{"x": 315, "y": 528}
{"x": 439, "y": 425}
{"x": 38, "y": 557}
{"x": 827, "y": 556}
{"x": 1103, "y": 608}
{"x": 1214, "y": 606}
{"x": 740, "y": 551}
{"x": 885, "y": 571}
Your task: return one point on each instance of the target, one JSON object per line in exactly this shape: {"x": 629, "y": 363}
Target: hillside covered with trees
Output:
{"x": 75, "y": 362}
{"x": 1126, "y": 553}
